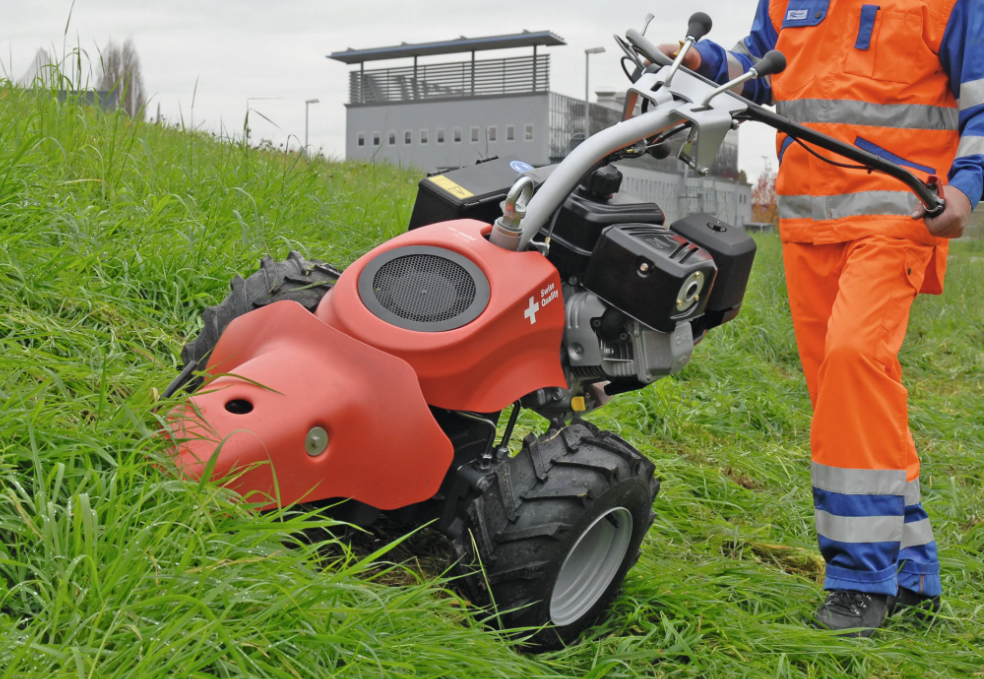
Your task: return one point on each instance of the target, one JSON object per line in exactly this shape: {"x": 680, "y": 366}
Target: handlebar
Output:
{"x": 691, "y": 100}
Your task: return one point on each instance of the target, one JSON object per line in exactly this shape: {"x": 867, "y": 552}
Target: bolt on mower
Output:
{"x": 546, "y": 289}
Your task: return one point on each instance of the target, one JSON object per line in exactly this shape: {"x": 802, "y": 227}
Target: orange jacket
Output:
{"x": 883, "y": 77}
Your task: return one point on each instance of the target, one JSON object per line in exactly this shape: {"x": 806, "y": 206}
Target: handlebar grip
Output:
{"x": 700, "y": 25}
{"x": 771, "y": 63}
{"x": 646, "y": 48}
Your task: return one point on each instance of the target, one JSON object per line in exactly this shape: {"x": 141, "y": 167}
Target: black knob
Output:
{"x": 604, "y": 182}
{"x": 700, "y": 25}
{"x": 773, "y": 62}
{"x": 660, "y": 151}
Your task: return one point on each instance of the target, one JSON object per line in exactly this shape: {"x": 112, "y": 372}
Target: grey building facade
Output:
{"x": 441, "y": 116}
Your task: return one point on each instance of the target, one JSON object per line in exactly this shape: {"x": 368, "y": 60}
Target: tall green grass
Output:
{"x": 113, "y": 238}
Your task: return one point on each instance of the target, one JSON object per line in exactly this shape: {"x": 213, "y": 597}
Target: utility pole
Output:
{"x": 587, "y": 93}
{"x": 307, "y": 105}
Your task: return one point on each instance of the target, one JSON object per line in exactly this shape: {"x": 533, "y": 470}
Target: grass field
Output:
{"x": 114, "y": 237}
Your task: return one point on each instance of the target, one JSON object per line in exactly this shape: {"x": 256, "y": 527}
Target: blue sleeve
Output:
{"x": 962, "y": 57}
{"x": 721, "y": 65}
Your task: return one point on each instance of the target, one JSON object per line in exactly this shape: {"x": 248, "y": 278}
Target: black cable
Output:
{"x": 630, "y": 76}
{"x": 828, "y": 160}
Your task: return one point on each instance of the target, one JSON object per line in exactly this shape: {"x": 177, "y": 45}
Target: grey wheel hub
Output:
{"x": 591, "y": 565}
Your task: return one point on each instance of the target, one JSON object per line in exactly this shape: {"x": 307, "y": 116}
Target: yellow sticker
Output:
{"x": 451, "y": 187}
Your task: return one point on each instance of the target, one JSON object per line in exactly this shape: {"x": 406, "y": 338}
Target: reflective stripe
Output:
{"x": 917, "y": 533}
{"x": 824, "y": 208}
{"x": 971, "y": 94}
{"x": 741, "y": 48}
{"x": 858, "y": 481}
{"x": 844, "y": 111}
{"x": 859, "y": 528}
{"x": 970, "y": 146}
{"x": 913, "y": 494}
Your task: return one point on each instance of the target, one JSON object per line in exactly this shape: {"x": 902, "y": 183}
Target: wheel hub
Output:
{"x": 591, "y": 565}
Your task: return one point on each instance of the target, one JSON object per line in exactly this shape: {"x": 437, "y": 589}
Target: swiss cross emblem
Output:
{"x": 530, "y": 312}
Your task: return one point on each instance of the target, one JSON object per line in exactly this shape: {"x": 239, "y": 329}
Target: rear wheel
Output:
{"x": 296, "y": 279}
{"x": 550, "y": 540}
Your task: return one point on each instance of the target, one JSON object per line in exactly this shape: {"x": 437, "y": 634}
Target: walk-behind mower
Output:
{"x": 383, "y": 386}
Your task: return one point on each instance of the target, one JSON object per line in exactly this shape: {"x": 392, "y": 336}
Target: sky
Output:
{"x": 205, "y": 62}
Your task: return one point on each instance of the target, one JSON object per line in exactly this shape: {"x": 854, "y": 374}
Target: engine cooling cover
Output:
{"x": 424, "y": 288}
{"x": 481, "y": 326}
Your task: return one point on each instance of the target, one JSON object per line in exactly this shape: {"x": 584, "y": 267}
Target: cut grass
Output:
{"x": 115, "y": 236}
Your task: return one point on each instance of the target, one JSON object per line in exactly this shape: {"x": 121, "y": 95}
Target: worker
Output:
{"x": 904, "y": 80}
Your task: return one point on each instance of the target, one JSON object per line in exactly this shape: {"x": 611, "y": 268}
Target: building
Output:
{"x": 441, "y": 116}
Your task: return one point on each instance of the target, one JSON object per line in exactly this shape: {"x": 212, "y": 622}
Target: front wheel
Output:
{"x": 549, "y": 541}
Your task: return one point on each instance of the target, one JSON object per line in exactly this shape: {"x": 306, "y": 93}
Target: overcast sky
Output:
{"x": 274, "y": 52}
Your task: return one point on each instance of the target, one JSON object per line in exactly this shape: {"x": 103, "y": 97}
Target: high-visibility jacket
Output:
{"x": 903, "y": 79}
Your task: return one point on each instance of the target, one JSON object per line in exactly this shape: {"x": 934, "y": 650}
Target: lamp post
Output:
{"x": 307, "y": 104}
{"x": 587, "y": 95}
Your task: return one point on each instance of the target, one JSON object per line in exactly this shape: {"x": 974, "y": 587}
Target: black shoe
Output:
{"x": 856, "y": 613}
{"x": 925, "y": 607}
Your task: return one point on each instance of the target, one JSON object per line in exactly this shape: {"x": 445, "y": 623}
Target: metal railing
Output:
{"x": 488, "y": 77}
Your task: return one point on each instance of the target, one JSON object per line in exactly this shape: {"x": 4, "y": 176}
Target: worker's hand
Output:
{"x": 954, "y": 219}
{"x": 691, "y": 61}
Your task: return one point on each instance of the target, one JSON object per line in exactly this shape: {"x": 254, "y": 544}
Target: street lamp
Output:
{"x": 587, "y": 96}
{"x": 307, "y": 104}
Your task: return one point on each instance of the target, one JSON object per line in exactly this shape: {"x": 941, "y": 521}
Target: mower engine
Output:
{"x": 638, "y": 294}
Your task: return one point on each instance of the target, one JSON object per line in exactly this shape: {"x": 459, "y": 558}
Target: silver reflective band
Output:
{"x": 847, "y": 112}
{"x": 917, "y": 533}
{"x": 913, "y": 494}
{"x": 741, "y": 48}
{"x": 824, "y": 208}
{"x": 858, "y": 481}
{"x": 970, "y": 146}
{"x": 859, "y": 528}
{"x": 971, "y": 94}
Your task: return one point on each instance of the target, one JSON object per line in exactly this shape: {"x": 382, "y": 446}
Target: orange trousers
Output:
{"x": 850, "y": 305}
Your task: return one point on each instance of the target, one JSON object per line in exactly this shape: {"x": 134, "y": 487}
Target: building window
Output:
{"x": 529, "y": 133}
{"x": 493, "y": 133}
{"x": 392, "y": 138}
{"x": 474, "y": 133}
{"x": 457, "y": 135}
{"x": 377, "y": 138}
{"x": 407, "y": 137}
{"x": 424, "y": 134}
{"x": 440, "y": 135}
{"x": 510, "y": 132}
{"x": 361, "y": 139}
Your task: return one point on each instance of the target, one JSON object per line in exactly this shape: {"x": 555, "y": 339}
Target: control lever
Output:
{"x": 700, "y": 25}
{"x": 645, "y": 24}
{"x": 772, "y": 62}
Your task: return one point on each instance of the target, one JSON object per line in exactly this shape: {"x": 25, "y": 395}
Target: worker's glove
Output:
{"x": 954, "y": 219}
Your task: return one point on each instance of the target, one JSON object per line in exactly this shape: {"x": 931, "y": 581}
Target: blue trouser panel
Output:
{"x": 873, "y": 532}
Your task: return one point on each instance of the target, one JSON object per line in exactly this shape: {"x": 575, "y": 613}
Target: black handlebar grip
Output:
{"x": 700, "y": 25}
{"x": 771, "y": 63}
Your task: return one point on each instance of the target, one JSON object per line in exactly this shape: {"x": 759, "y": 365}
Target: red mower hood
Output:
{"x": 283, "y": 385}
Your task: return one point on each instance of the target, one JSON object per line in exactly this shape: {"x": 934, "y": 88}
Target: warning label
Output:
{"x": 450, "y": 186}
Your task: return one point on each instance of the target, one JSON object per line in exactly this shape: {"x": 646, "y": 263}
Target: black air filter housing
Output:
{"x": 651, "y": 274}
{"x": 582, "y": 219}
{"x": 733, "y": 251}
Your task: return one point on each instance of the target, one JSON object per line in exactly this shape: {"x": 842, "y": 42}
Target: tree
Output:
{"x": 121, "y": 72}
{"x": 764, "y": 198}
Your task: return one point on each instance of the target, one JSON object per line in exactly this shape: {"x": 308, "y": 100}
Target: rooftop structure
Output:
{"x": 439, "y": 116}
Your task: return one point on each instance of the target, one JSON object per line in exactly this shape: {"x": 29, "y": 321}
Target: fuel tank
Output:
{"x": 481, "y": 326}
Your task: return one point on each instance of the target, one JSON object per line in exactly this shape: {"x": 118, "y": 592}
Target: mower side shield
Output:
{"x": 279, "y": 372}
